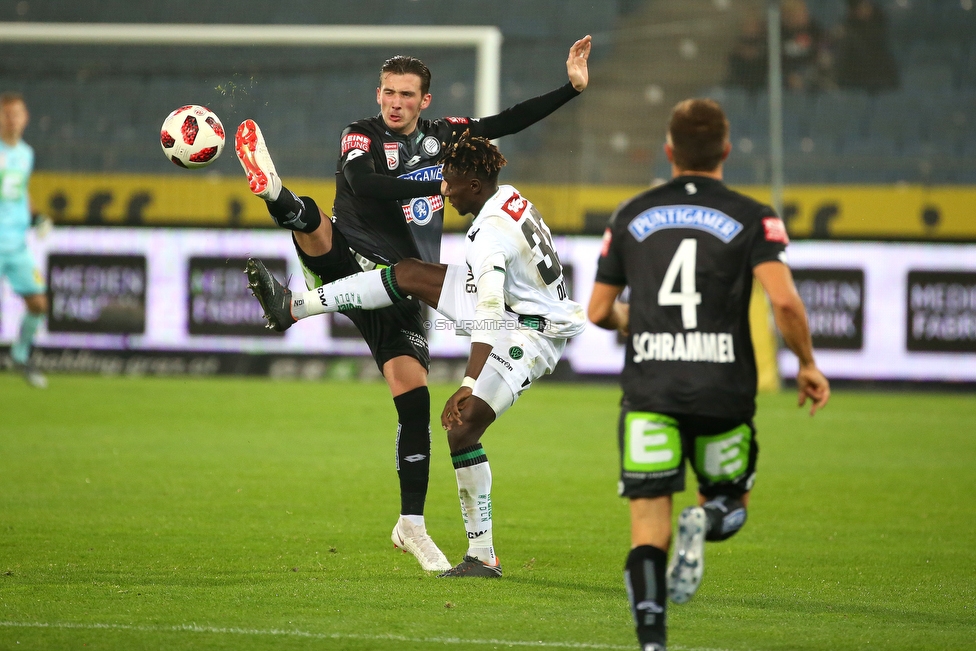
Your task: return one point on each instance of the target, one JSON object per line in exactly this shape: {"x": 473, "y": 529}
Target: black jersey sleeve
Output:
{"x": 366, "y": 182}
{"x": 522, "y": 115}
{"x": 610, "y": 267}
{"x": 770, "y": 238}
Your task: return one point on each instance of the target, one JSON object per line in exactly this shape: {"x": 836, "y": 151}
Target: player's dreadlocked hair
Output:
{"x": 475, "y": 156}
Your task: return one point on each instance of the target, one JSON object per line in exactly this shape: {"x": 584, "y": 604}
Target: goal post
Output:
{"x": 486, "y": 40}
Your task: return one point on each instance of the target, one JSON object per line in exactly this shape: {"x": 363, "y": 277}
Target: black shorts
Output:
{"x": 654, "y": 446}
{"x": 389, "y": 332}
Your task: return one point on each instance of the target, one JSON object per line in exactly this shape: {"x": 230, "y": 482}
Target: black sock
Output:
{"x": 293, "y": 212}
{"x": 644, "y": 577}
{"x": 413, "y": 449}
{"x": 726, "y": 515}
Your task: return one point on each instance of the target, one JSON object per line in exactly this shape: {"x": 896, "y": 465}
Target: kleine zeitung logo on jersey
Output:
{"x": 709, "y": 220}
{"x": 355, "y": 141}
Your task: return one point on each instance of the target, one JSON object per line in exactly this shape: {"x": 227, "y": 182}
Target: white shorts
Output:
{"x": 520, "y": 355}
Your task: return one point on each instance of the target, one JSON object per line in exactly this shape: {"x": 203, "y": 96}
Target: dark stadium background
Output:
{"x": 890, "y": 160}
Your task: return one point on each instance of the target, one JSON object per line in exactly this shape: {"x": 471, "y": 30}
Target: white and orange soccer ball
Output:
{"x": 192, "y": 136}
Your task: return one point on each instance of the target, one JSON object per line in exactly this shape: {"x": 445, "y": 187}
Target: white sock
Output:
{"x": 367, "y": 290}
{"x": 474, "y": 490}
{"x": 416, "y": 520}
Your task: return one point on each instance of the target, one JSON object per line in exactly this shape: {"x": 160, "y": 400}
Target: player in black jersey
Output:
{"x": 388, "y": 207}
{"x": 688, "y": 250}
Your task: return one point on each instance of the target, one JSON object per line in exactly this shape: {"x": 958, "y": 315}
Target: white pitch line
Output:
{"x": 196, "y": 628}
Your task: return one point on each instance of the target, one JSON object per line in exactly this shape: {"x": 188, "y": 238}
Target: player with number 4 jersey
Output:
{"x": 510, "y": 297}
{"x": 689, "y": 250}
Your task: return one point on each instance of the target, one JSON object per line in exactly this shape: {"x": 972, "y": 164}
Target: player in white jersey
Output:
{"x": 16, "y": 262}
{"x": 510, "y": 297}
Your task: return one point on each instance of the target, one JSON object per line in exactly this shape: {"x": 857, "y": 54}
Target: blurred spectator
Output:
{"x": 864, "y": 59}
{"x": 749, "y": 59}
{"x": 806, "y": 58}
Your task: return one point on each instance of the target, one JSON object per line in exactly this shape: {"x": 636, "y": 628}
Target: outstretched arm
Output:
{"x": 367, "y": 183}
{"x": 451, "y": 414}
{"x": 488, "y": 316}
{"x": 791, "y": 319}
{"x": 527, "y": 113}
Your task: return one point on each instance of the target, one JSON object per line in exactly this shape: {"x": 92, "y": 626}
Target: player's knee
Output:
{"x": 726, "y": 516}
{"x": 416, "y": 277}
{"x": 468, "y": 432}
{"x": 463, "y": 436}
{"x": 408, "y": 273}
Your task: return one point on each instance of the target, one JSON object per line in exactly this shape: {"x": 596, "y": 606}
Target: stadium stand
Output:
{"x": 924, "y": 132}
{"x": 99, "y": 108}
{"x": 648, "y": 54}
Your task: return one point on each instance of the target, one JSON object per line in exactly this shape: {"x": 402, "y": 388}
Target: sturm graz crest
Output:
{"x": 515, "y": 352}
{"x": 431, "y": 145}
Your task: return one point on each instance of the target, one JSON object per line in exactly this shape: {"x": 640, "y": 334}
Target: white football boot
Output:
{"x": 256, "y": 161}
{"x": 688, "y": 559}
{"x": 414, "y": 539}
{"x": 34, "y": 377}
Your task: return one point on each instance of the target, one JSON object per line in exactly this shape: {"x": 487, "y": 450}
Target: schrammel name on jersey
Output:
{"x": 684, "y": 347}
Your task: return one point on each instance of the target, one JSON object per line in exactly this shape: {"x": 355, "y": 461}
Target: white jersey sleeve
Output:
{"x": 510, "y": 228}
{"x": 490, "y": 246}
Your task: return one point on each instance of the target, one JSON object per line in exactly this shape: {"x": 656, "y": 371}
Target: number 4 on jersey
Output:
{"x": 683, "y": 265}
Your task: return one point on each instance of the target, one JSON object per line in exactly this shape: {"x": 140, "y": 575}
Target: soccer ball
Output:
{"x": 192, "y": 136}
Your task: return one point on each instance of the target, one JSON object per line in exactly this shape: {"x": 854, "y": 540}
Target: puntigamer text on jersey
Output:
{"x": 687, "y": 347}
{"x": 709, "y": 220}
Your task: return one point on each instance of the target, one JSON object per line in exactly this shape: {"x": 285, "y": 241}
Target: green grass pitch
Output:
{"x": 251, "y": 514}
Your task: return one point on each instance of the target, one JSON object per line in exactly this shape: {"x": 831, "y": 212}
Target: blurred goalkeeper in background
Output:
{"x": 16, "y": 262}
{"x": 388, "y": 207}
